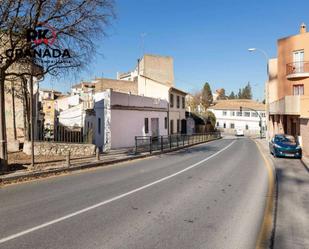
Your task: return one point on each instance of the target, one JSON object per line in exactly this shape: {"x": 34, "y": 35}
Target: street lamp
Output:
{"x": 261, "y": 51}
{"x": 266, "y": 86}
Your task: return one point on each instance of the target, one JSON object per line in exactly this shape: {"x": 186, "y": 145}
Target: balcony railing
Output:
{"x": 298, "y": 69}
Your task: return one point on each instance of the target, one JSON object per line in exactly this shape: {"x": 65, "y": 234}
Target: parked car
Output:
{"x": 239, "y": 132}
{"x": 285, "y": 146}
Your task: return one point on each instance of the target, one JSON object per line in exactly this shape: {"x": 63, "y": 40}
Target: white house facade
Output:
{"x": 120, "y": 117}
{"x": 155, "y": 78}
{"x": 230, "y": 117}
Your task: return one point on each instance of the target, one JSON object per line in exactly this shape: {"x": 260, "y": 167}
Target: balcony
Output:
{"x": 297, "y": 70}
{"x": 291, "y": 105}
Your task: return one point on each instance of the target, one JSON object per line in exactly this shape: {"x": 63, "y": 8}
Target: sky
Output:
{"x": 208, "y": 39}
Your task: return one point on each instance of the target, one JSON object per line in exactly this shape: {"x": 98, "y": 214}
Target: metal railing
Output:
{"x": 162, "y": 143}
{"x": 64, "y": 134}
{"x": 297, "y": 67}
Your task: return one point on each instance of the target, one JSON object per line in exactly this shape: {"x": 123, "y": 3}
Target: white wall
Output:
{"x": 126, "y": 124}
{"x": 239, "y": 121}
{"x": 124, "y": 99}
{"x": 122, "y": 118}
{"x": 150, "y": 88}
{"x": 100, "y": 111}
{"x": 72, "y": 117}
{"x": 67, "y": 102}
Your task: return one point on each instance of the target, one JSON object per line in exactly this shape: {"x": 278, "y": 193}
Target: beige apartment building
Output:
{"x": 154, "y": 76}
{"x": 288, "y": 88}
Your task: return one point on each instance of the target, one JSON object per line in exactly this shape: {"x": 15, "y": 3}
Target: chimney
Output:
{"x": 303, "y": 28}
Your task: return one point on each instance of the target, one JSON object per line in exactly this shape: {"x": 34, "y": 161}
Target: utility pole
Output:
{"x": 3, "y": 145}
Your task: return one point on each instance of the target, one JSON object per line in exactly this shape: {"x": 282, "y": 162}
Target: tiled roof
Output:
{"x": 235, "y": 104}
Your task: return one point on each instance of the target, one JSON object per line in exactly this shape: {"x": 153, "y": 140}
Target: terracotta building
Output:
{"x": 288, "y": 88}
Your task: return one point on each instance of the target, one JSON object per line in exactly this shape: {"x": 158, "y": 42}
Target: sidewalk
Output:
{"x": 46, "y": 167}
{"x": 291, "y": 221}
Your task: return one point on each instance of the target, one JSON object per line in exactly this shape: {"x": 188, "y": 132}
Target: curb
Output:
{"x": 305, "y": 165}
{"x": 4, "y": 180}
{"x": 266, "y": 234}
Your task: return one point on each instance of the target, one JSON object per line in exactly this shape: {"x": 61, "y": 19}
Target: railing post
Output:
{"x": 183, "y": 140}
{"x": 135, "y": 144}
{"x": 170, "y": 140}
{"x": 177, "y": 140}
{"x": 150, "y": 145}
{"x": 97, "y": 152}
{"x": 161, "y": 143}
{"x": 68, "y": 159}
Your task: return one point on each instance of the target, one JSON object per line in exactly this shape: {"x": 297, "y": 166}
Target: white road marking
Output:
{"x": 14, "y": 236}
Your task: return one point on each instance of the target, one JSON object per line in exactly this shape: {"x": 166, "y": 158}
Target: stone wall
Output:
{"x": 59, "y": 149}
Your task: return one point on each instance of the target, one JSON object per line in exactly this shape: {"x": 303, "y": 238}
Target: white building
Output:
{"x": 155, "y": 78}
{"x": 66, "y": 102}
{"x": 229, "y": 117}
{"x": 120, "y": 117}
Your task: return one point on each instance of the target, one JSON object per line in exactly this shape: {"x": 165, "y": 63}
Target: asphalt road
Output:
{"x": 208, "y": 196}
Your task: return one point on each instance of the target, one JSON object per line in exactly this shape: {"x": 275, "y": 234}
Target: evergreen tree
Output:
{"x": 247, "y": 92}
{"x": 232, "y": 95}
{"x": 239, "y": 95}
{"x": 206, "y": 95}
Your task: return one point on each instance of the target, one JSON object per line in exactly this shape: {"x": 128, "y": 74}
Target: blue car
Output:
{"x": 285, "y": 146}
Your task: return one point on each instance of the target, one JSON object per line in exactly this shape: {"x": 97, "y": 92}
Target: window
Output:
{"x": 183, "y": 103}
{"x": 224, "y": 113}
{"x": 165, "y": 122}
{"x": 172, "y": 126}
{"x": 99, "y": 125}
{"x": 247, "y": 127}
{"x": 298, "y": 61}
{"x": 254, "y": 114}
{"x": 247, "y": 114}
{"x": 263, "y": 114}
{"x": 239, "y": 114}
{"x": 232, "y": 113}
{"x": 171, "y": 100}
{"x": 146, "y": 125}
{"x": 232, "y": 126}
{"x": 224, "y": 125}
{"x": 218, "y": 124}
{"x": 178, "y": 101}
{"x": 298, "y": 89}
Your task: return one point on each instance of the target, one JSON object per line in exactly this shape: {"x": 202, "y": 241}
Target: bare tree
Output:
{"x": 74, "y": 28}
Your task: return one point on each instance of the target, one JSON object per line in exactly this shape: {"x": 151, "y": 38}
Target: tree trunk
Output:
{"x": 32, "y": 119}
{"x": 26, "y": 109}
{"x": 13, "y": 109}
{"x": 3, "y": 140}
